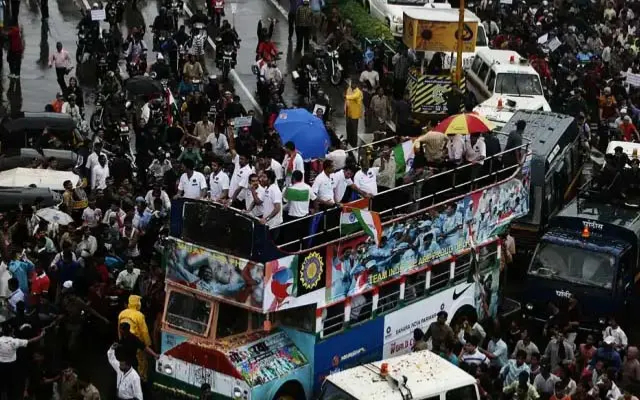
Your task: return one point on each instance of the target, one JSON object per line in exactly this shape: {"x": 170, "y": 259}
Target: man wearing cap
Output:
{"x": 607, "y": 354}
{"x": 160, "y": 67}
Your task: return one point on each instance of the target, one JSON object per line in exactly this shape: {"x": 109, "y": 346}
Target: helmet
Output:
{"x": 95, "y": 6}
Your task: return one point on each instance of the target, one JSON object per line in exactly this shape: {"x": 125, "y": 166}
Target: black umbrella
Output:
{"x": 143, "y": 85}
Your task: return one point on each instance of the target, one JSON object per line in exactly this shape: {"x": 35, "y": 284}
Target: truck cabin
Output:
{"x": 557, "y": 160}
{"x": 590, "y": 253}
{"x": 419, "y": 376}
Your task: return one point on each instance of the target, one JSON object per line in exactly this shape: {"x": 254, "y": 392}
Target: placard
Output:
{"x": 553, "y": 44}
{"x": 98, "y": 15}
{"x": 234, "y": 8}
{"x": 633, "y": 79}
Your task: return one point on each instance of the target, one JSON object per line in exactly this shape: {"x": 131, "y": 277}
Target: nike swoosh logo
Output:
{"x": 456, "y": 295}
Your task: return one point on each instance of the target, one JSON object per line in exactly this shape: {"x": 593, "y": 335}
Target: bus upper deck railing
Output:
{"x": 403, "y": 200}
{"x": 232, "y": 231}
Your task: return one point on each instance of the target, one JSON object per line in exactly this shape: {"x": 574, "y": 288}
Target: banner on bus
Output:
{"x": 358, "y": 265}
{"x": 294, "y": 281}
{"x": 217, "y": 274}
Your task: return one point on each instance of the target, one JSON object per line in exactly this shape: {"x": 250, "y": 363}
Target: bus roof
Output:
{"x": 439, "y": 14}
{"x": 427, "y": 375}
{"x": 549, "y": 133}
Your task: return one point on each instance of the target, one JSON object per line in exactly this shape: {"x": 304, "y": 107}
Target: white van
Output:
{"x": 501, "y": 82}
{"x": 418, "y": 376}
{"x": 391, "y": 11}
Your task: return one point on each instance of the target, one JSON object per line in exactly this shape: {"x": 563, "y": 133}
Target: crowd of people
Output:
{"x": 99, "y": 271}
{"x": 515, "y": 363}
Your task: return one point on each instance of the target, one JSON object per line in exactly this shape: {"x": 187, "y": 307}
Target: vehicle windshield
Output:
{"x": 518, "y": 84}
{"x": 572, "y": 264}
{"x": 332, "y": 392}
{"x": 481, "y": 37}
{"x": 187, "y": 313}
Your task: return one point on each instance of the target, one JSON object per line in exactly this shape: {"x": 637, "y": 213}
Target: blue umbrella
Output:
{"x": 305, "y": 130}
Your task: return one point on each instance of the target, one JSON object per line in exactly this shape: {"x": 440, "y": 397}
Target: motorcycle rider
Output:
{"x": 111, "y": 85}
{"x": 160, "y": 68}
{"x": 273, "y": 75}
{"x": 137, "y": 52}
{"x": 266, "y": 49}
{"x": 192, "y": 71}
{"x": 228, "y": 37}
{"x": 162, "y": 23}
{"x": 71, "y": 108}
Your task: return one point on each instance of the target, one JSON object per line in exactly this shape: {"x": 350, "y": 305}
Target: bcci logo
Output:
{"x": 311, "y": 270}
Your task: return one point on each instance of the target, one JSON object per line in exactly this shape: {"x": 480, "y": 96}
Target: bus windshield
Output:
{"x": 332, "y": 392}
{"x": 572, "y": 264}
{"x": 518, "y": 84}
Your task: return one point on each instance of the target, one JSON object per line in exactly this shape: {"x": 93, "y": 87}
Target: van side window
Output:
{"x": 491, "y": 81}
{"x": 477, "y": 62}
{"x": 462, "y": 393}
{"x": 482, "y": 74}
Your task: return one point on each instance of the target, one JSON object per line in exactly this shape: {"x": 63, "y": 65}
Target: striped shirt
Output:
{"x": 511, "y": 371}
{"x": 304, "y": 17}
{"x": 475, "y": 358}
{"x": 298, "y": 196}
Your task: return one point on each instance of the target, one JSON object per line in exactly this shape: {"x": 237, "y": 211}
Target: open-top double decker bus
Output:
{"x": 257, "y": 322}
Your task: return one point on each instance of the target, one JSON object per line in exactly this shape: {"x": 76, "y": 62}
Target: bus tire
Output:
{"x": 291, "y": 390}
{"x": 466, "y": 311}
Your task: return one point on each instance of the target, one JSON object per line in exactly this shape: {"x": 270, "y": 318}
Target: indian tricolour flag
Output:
{"x": 172, "y": 111}
{"x": 403, "y": 156}
{"x": 353, "y": 220}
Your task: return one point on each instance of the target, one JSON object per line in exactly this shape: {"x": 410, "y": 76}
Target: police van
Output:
{"x": 501, "y": 82}
{"x": 590, "y": 253}
{"x": 419, "y": 376}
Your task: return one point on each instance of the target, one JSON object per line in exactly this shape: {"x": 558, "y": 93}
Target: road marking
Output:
{"x": 277, "y": 5}
{"x": 234, "y": 74}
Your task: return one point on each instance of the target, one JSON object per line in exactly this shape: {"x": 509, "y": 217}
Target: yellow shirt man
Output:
{"x": 353, "y": 103}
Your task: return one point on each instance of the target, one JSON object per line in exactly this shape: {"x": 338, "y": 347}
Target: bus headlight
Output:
{"x": 168, "y": 370}
{"x": 602, "y": 321}
{"x": 396, "y": 19}
{"x": 237, "y": 393}
{"x": 529, "y": 307}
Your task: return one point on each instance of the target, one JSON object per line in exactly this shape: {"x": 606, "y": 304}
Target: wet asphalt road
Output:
{"x": 38, "y": 84}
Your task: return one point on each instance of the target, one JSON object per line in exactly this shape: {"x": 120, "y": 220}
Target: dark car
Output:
{"x": 24, "y": 129}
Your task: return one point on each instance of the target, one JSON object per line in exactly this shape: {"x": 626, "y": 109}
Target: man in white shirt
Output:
{"x": 158, "y": 193}
{"x": 128, "y": 381}
{"x": 471, "y": 355}
{"x": 193, "y": 184}
{"x": 298, "y": 197}
{"x": 455, "y": 149}
{"x": 271, "y": 164}
{"x": 16, "y": 295}
{"x": 239, "y": 180}
{"x": 366, "y": 181}
{"x": 8, "y": 347}
{"x": 620, "y": 338}
{"x": 128, "y": 277}
{"x": 476, "y": 152}
{"x": 342, "y": 180}
{"x": 219, "y": 144}
{"x": 370, "y": 75}
{"x": 92, "y": 159}
{"x": 272, "y": 204}
{"x": 88, "y": 245}
{"x": 323, "y": 186}
{"x": 254, "y": 196}
{"x": 99, "y": 174}
{"x": 218, "y": 182}
{"x": 292, "y": 162}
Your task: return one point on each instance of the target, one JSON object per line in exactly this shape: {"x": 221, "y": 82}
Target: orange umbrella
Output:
{"x": 464, "y": 124}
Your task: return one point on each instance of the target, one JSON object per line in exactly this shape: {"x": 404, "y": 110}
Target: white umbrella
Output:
{"x": 53, "y": 215}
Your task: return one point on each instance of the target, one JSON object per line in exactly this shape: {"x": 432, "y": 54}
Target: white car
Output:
{"x": 500, "y": 108}
{"x": 391, "y": 11}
